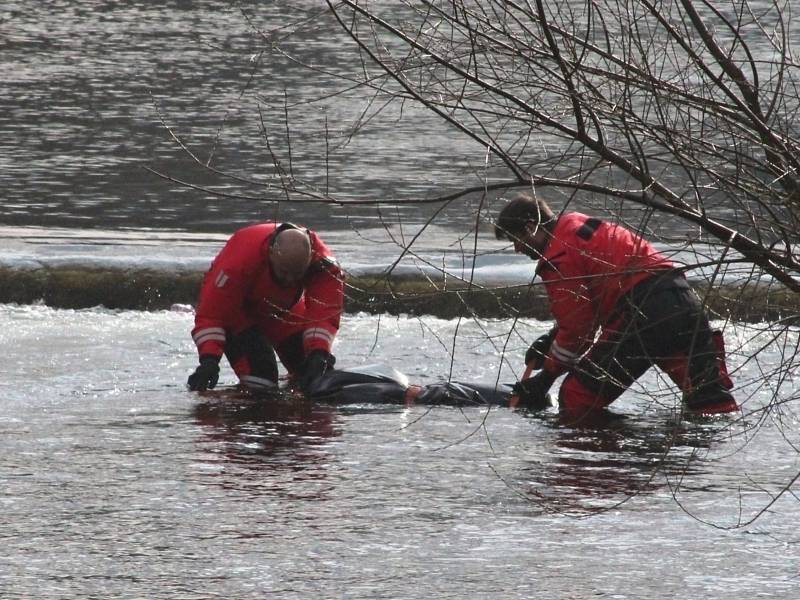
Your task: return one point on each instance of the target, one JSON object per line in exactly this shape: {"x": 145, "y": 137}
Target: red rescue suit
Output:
{"x": 239, "y": 294}
{"x": 587, "y": 267}
{"x": 600, "y": 275}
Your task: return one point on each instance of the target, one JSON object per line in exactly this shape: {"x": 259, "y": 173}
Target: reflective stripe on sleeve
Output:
{"x": 563, "y": 356}
{"x": 318, "y": 333}
{"x": 209, "y": 334}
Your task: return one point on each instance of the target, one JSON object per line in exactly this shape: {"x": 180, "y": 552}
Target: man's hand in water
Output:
{"x": 317, "y": 363}
{"x": 533, "y": 392}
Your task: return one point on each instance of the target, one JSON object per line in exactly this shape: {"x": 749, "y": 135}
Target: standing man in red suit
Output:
{"x": 600, "y": 276}
{"x": 273, "y": 288}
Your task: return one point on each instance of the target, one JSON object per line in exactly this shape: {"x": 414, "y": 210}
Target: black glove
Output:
{"x": 538, "y": 351}
{"x": 315, "y": 366}
{"x": 205, "y": 376}
{"x": 532, "y": 392}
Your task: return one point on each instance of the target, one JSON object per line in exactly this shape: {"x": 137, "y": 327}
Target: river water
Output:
{"x": 95, "y": 91}
{"x": 90, "y": 88}
{"x": 118, "y": 483}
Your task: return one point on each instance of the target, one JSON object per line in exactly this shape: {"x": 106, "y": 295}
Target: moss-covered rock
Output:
{"x": 146, "y": 289}
{"x": 83, "y": 287}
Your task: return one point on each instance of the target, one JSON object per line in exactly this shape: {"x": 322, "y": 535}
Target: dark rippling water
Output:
{"x": 89, "y": 88}
{"x": 93, "y": 91}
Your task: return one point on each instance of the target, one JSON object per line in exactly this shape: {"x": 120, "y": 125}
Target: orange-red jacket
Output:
{"x": 239, "y": 291}
{"x": 587, "y": 267}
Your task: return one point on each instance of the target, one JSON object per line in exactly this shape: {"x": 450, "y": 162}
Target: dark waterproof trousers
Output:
{"x": 660, "y": 322}
{"x": 253, "y": 358}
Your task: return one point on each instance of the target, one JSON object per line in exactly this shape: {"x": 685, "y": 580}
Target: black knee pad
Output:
{"x": 252, "y": 345}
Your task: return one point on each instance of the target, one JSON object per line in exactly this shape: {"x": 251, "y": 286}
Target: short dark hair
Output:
{"x": 520, "y": 211}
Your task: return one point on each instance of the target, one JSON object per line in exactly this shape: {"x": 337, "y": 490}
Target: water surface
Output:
{"x": 117, "y": 482}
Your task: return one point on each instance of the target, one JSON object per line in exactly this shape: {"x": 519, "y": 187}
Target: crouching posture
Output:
{"x": 599, "y": 275}
{"x": 272, "y": 288}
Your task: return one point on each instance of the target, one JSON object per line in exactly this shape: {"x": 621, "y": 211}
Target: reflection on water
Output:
{"x": 263, "y": 436}
{"x": 598, "y": 468}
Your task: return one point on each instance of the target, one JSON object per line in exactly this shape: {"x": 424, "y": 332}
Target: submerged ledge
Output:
{"x": 75, "y": 287}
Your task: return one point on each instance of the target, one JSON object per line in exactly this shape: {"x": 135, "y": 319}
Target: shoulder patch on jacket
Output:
{"x": 221, "y": 280}
{"x": 588, "y": 228}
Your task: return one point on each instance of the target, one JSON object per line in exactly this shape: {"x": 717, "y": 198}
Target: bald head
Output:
{"x": 290, "y": 255}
